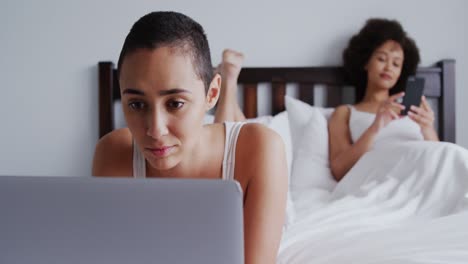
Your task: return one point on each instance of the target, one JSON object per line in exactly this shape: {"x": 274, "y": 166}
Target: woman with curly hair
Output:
{"x": 378, "y": 61}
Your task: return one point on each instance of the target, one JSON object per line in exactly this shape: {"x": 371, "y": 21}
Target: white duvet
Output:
{"x": 401, "y": 203}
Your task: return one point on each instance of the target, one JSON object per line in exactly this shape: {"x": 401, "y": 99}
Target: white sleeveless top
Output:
{"x": 232, "y": 133}
{"x": 403, "y": 129}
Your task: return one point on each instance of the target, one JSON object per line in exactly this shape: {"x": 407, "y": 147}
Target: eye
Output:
{"x": 382, "y": 59}
{"x": 396, "y": 65}
{"x": 174, "y": 104}
{"x": 137, "y": 106}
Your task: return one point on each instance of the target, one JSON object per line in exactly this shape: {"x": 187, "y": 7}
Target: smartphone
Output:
{"x": 413, "y": 92}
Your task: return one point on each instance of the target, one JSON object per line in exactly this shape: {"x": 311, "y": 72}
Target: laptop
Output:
{"x": 120, "y": 220}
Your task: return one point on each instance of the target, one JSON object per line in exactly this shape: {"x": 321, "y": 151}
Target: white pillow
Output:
{"x": 280, "y": 124}
{"x": 209, "y": 119}
{"x": 309, "y": 136}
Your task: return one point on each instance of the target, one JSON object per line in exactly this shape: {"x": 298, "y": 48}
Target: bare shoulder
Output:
{"x": 113, "y": 154}
{"x": 260, "y": 152}
{"x": 257, "y": 137}
{"x": 339, "y": 119}
{"x": 340, "y": 113}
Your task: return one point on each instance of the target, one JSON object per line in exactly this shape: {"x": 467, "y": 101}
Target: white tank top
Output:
{"x": 232, "y": 133}
{"x": 403, "y": 129}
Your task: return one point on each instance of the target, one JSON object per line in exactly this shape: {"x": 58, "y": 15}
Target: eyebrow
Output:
{"x": 173, "y": 91}
{"x": 163, "y": 92}
{"x": 133, "y": 91}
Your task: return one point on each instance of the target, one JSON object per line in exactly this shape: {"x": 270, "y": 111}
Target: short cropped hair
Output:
{"x": 171, "y": 29}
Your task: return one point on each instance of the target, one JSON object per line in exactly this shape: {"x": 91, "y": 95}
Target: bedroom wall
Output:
{"x": 49, "y": 51}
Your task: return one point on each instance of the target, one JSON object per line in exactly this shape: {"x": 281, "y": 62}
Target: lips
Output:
{"x": 160, "y": 151}
{"x": 385, "y": 76}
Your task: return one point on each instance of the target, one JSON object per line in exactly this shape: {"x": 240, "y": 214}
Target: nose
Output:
{"x": 387, "y": 65}
{"x": 157, "y": 125}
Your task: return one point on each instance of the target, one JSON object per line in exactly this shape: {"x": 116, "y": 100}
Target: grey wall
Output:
{"x": 49, "y": 50}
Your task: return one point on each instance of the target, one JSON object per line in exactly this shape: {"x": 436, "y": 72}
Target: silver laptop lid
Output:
{"x": 120, "y": 220}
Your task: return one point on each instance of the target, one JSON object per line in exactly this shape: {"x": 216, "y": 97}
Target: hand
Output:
{"x": 424, "y": 116}
{"x": 389, "y": 110}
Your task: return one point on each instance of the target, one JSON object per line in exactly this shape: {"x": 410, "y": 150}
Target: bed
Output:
{"x": 412, "y": 212}
{"x": 440, "y": 87}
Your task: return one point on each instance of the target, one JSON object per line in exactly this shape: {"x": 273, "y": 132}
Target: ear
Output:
{"x": 213, "y": 92}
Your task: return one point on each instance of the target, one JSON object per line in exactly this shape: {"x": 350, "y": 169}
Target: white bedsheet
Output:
{"x": 401, "y": 203}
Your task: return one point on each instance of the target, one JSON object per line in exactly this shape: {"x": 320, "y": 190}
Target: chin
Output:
{"x": 163, "y": 164}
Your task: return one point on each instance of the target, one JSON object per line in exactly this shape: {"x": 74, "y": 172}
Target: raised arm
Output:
{"x": 260, "y": 158}
{"x": 228, "y": 109}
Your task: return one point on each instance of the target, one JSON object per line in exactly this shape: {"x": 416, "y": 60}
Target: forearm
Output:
{"x": 346, "y": 159}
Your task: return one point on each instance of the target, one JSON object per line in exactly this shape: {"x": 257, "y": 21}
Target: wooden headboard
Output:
{"x": 439, "y": 88}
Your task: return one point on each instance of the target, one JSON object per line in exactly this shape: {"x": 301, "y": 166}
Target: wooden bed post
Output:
{"x": 447, "y": 102}
{"x": 106, "y": 102}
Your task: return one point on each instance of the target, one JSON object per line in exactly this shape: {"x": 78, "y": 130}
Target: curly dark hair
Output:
{"x": 171, "y": 29}
{"x": 375, "y": 32}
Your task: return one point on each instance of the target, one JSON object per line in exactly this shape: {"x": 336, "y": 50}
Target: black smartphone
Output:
{"x": 413, "y": 92}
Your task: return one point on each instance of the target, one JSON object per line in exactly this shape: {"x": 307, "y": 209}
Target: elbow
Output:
{"x": 337, "y": 171}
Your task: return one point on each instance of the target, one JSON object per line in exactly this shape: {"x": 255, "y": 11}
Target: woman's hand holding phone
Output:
{"x": 388, "y": 111}
{"x": 424, "y": 116}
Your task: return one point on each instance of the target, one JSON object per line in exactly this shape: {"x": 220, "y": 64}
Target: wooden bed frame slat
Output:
{"x": 306, "y": 92}
{"x": 250, "y": 100}
{"x": 322, "y": 75}
{"x": 334, "y": 96}
{"x": 279, "y": 91}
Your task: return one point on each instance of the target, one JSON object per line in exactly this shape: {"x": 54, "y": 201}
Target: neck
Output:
{"x": 375, "y": 94}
